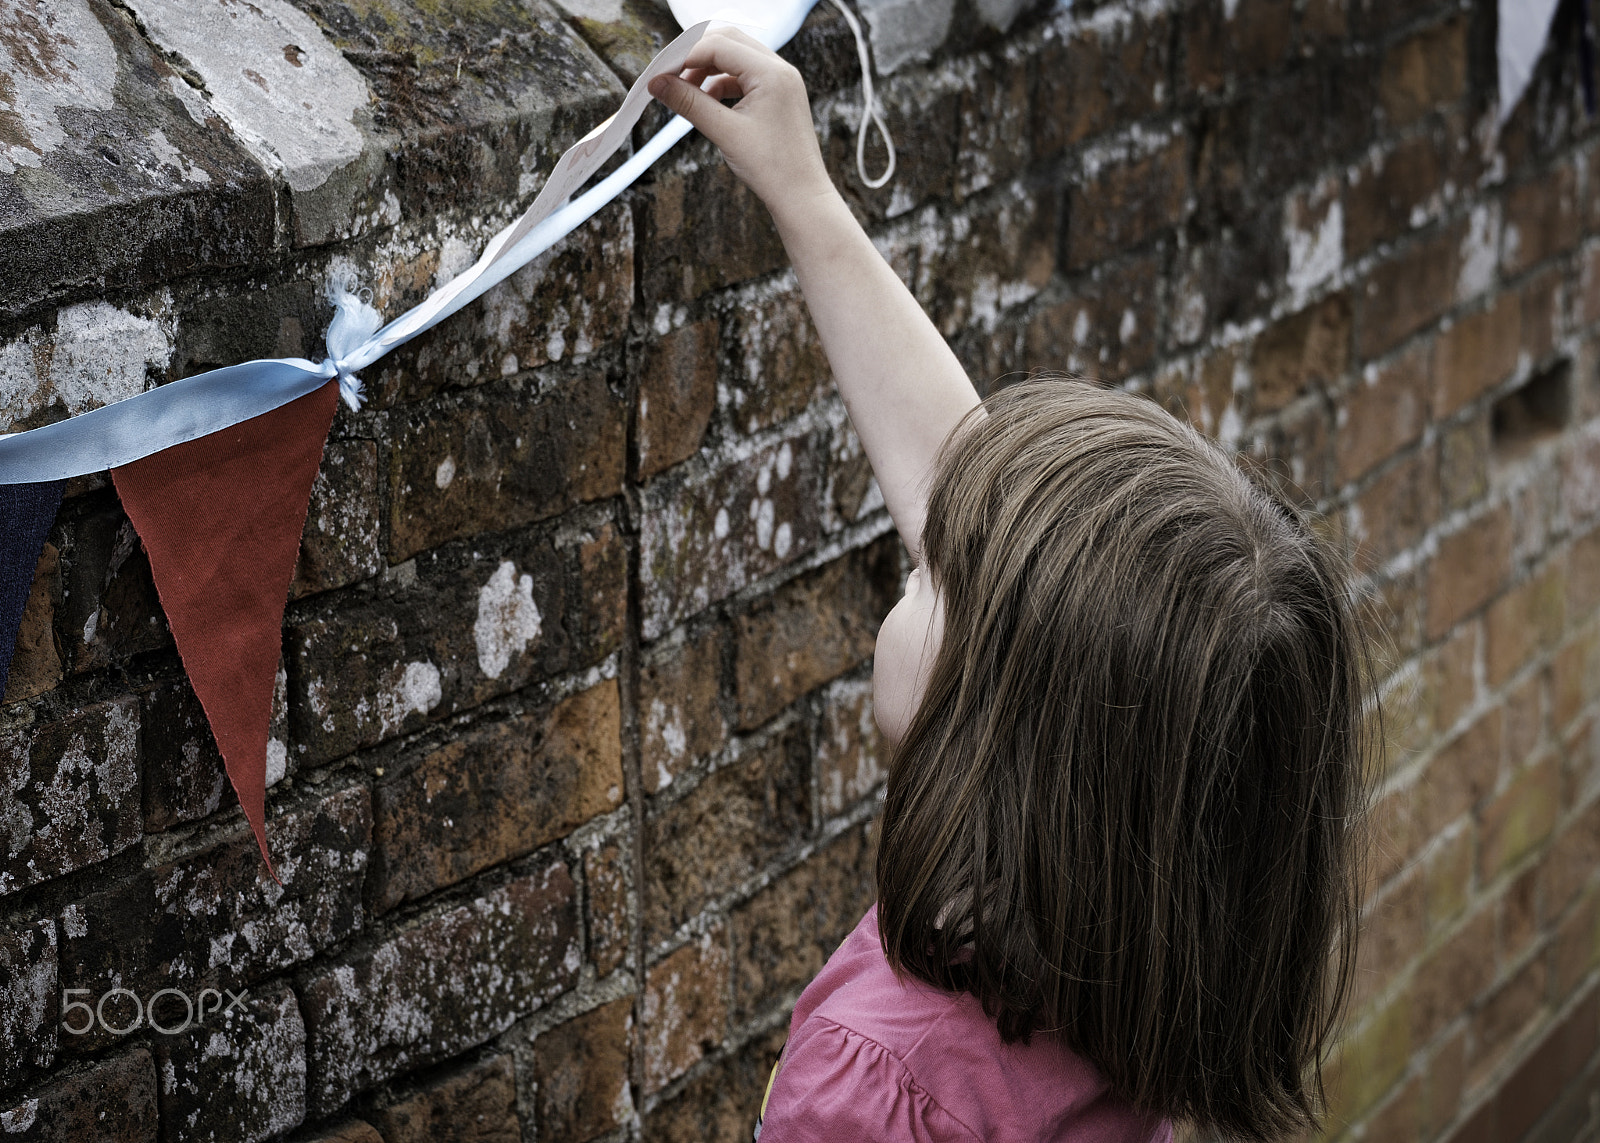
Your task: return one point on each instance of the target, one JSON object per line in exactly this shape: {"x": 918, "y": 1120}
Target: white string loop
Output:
{"x": 870, "y": 115}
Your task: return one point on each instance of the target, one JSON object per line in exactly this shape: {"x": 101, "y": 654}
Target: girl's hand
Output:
{"x": 767, "y": 137}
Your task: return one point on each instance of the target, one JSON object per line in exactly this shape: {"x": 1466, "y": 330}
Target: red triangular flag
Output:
{"x": 221, "y": 519}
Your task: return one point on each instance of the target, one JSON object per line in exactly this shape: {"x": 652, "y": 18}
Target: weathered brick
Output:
{"x": 1542, "y": 312}
{"x": 924, "y": 110}
{"x": 852, "y": 759}
{"x": 724, "y": 831}
{"x": 680, "y": 706}
{"x": 1525, "y": 621}
{"x": 701, "y": 229}
{"x": 684, "y": 1013}
{"x": 73, "y": 792}
{"x": 1409, "y": 290}
{"x": 214, "y": 918}
{"x": 812, "y": 629}
{"x": 1587, "y": 304}
{"x": 1424, "y": 72}
{"x": 1382, "y": 413}
{"x": 111, "y": 1100}
{"x": 1449, "y": 880}
{"x": 1393, "y": 513}
{"x": 1469, "y": 568}
{"x": 1505, "y": 1017}
{"x": 1520, "y": 818}
{"x": 1224, "y": 191}
{"x": 110, "y": 611}
{"x": 459, "y": 625}
{"x": 677, "y": 394}
{"x": 1312, "y": 115}
{"x": 1574, "y": 677}
{"x": 1089, "y": 78}
{"x": 1579, "y": 493}
{"x": 581, "y": 1069}
{"x": 1124, "y": 204}
{"x": 1453, "y": 666}
{"x": 722, "y": 1101}
{"x": 1400, "y": 1115}
{"x": 238, "y": 1076}
{"x": 1575, "y": 947}
{"x": 1461, "y": 774}
{"x": 1524, "y": 720}
{"x": 35, "y": 659}
{"x": 501, "y": 457}
{"x": 1292, "y": 453}
{"x": 779, "y": 365}
{"x": 1453, "y": 976}
{"x": 1583, "y": 575}
{"x": 184, "y": 775}
{"x": 784, "y": 936}
{"x": 1446, "y": 1075}
{"x": 1393, "y": 934}
{"x": 704, "y": 536}
{"x": 29, "y": 1000}
{"x": 1367, "y": 1063}
{"x": 1231, "y": 41}
{"x": 1107, "y": 328}
{"x": 566, "y": 303}
{"x": 341, "y": 543}
{"x": 1326, "y": 19}
{"x": 1307, "y": 349}
{"x": 439, "y": 985}
{"x": 1534, "y": 1086}
{"x": 973, "y": 269}
{"x": 494, "y": 793}
{"x": 1476, "y": 353}
{"x": 609, "y": 903}
{"x": 1394, "y": 620}
{"x": 1464, "y": 452}
{"x": 475, "y": 1104}
{"x": 1394, "y": 189}
{"x": 348, "y": 1131}
{"x": 1541, "y": 219}
{"x": 1573, "y": 857}
{"x": 993, "y": 140}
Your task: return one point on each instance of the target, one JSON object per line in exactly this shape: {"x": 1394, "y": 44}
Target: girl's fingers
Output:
{"x": 729, "y": 50}
{"x": 704, "y": 111}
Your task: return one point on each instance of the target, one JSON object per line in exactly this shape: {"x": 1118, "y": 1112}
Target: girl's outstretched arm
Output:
{"x": 901, "y": 383}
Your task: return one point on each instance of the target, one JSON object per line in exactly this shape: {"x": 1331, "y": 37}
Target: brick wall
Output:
{"x": 574, "y": 729}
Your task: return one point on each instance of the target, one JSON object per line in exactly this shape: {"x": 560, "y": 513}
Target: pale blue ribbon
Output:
{"x": 206, "y": 403}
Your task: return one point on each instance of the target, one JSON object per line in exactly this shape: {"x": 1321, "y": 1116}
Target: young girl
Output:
{"x": 1125, "y": 706}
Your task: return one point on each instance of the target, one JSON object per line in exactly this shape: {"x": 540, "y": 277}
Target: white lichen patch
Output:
{"x": 415, "y": 688}
{"x": 55, "y": 57}
{"x": 97, "y": 354}
{"x": 290, "y": 96}
{"x": 508, "y": 619}
{"x": 1480, "y": 251}
{"x": 1315, "y": 238}
{"x": 166, "y": 155}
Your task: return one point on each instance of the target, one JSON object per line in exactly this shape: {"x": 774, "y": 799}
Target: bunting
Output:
{"x": 215, "y": 470}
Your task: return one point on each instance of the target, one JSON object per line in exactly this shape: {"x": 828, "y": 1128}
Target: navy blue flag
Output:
{"x": 26, "y": 513}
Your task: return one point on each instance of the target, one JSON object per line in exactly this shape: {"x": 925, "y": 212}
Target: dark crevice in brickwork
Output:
{"x": 1538, "y": 410}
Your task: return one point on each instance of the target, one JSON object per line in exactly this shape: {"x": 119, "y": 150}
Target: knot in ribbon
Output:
{"x": 354, "y": 322}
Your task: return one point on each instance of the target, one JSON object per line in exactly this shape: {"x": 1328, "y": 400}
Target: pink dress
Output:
{"x": 870, "y": 1057}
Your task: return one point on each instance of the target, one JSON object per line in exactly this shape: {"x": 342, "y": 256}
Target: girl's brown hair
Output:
{"x": 1125, "y": 812}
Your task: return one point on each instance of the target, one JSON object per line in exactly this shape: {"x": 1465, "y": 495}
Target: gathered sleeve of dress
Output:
{"x": 835, "y": 1085}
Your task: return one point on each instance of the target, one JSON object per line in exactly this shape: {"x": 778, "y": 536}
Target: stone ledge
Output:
{"x": 139, "y": 148}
